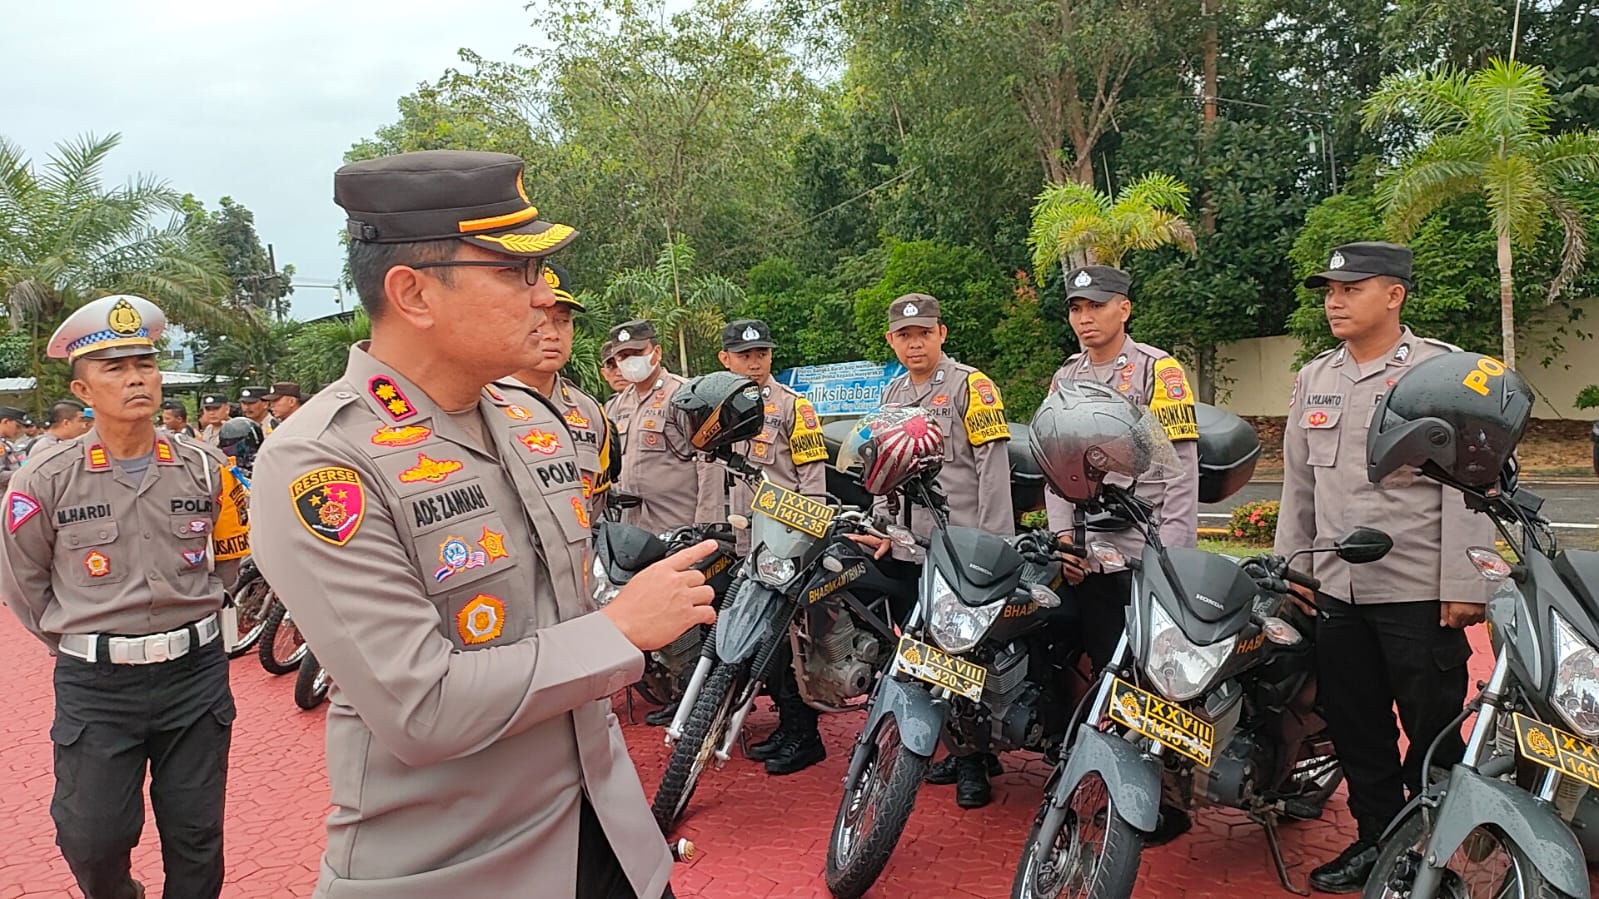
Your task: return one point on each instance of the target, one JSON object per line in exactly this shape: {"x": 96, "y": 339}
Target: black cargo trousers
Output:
{"x": 110, "y": 722}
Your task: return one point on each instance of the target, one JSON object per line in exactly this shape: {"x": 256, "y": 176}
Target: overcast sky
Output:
{"x": 256, "y": 100}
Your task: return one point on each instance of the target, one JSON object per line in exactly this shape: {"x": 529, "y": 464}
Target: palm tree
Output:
{"x": 1486, "y": 132}
{"x": 66, "y": 239}
{"x": 1076, "y": 224}
{"x": 684, "y": 306}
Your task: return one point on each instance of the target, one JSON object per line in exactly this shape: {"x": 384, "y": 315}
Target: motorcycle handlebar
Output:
{"x": 1303, "y": 580}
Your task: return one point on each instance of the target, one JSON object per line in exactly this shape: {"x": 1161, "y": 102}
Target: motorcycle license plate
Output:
{"x": 940, "y": 669}
{"x": 1163, "y": 721}
{"x": 1552, "y": 747}
{"x": 789, "y": 508}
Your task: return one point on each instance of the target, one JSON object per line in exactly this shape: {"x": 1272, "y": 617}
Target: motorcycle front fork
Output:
{"x": 696, "y": 681}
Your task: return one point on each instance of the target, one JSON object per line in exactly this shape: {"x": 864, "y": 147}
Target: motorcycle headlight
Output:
{"x": 772, "y": 569}
{"x": 1179, "y": 667}
{"x": 604, "y": 590}
{"x": 1576, "y": 688}
{"x": 954, "y": 625}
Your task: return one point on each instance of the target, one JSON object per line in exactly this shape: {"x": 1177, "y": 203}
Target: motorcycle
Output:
{"x": 280, "y": 646}
{"x": 1212, "y": 685}
{"x": 972, "y": 665}
{"x": 622, "y": 551}
{"x": 1502, "y": 822}
{"x": 253, "y": 600}
{"x": 804, "y": 586}
{"x": 312, "y": 684}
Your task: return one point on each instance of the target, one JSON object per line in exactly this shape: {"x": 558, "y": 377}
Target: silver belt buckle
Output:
{"x": 157, "y": 648}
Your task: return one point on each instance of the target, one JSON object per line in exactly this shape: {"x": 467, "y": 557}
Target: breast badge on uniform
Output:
{"x": 576, "y": 419}
{"x": 429, "y": 469}
{"x": 581, "y": 510}
{"x": 406, "y": 435}
{"x": 97, "y": 563}
{"x": 1316, "y": 419}
{"x": 480, "y": 620}
{"x": 330, "y": 503}
{"x": 193, "y": 558}
{"x": 19, "y": 508}
{"x": 542, "y": 442}
{"x": 456, "y": 556}
{"x": 383, "y": 388}
{"x": 517, "y": 413}
{"x": 493, "y": 544}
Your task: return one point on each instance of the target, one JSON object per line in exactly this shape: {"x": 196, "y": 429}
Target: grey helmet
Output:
{"x": 1085, "y": 430}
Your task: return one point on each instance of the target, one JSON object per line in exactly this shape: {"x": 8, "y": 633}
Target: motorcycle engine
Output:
{"x": 681, "y": 653}
{"x": 1012, "y": 699}
{"x": 839, "y": 663}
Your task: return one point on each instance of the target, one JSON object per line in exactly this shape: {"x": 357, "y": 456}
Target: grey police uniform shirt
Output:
{"x": 87, "y": 549}
{"x": 1155, "y": 380}
{"x": 440, "y": 580}
{"x": 976, "y": 478}
{"x": 1325, "y": 490}
{"x": 10, "y": 461}
{"x": 590, "y": 430}
{"x": 789, "y": 452}
{"x": 674, "y": 491}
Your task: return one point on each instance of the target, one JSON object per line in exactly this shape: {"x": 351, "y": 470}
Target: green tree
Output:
{"x": 319, "y": 350}
{"x": 1486, "y": 133}
{"x": 684, "y": 305}
{"x": 256, "y": 284}
{"x": 812, "y": 318}
{"x": 1079, "y": 223}
{"x": 970, "y": 288}
{"x": 66, "y": 238}
{"x": 258, "y": 355}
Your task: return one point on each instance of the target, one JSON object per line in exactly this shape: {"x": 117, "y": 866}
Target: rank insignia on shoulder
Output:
{"x": 517, "y": 413}
{"x": 581, "y": 510}
{"x": 428, "y": 469}
{"x": 97, "y": 563}
{"x": 494, "y": 394}
{"x": 163, "y": 451}
{"x": 405, "y": 435}
{"x": 542, "y": 442}
{"x": 575, "y": 418}
{"x": 389, "y": 395}
{"x": 493, "y": 544}
{"x": 193, "y": 558}
{"x": 99, "y": 459}
{"x": 330, "y": 503}
{"x": 457, "y": 556}
{"x": 480, "y": 620}
{"x": 19, "y": 508}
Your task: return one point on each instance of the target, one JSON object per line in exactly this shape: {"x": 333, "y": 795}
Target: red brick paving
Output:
{"x": 758, "y": 837}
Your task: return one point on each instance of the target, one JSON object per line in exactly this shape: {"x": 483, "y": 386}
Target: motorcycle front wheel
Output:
{"x": 1486, "y": 864}
{"x": 281, "y": 645}
{"x": 1094, "y": 854}
{"x": 707, "y": 724}
{"x": 254, "y": 602}
{"x": 873, "y": 812}
{"x": 312, "y": 683}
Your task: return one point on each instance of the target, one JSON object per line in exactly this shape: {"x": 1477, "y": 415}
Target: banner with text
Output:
{"x": 843, "y": 388}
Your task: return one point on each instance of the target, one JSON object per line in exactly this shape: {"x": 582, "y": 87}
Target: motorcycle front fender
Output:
{"x": 1132, "y": 779}
{"x": 920, "y": 716}
{"x": 1472, "y": 801}
{"x": 749, "y": 617}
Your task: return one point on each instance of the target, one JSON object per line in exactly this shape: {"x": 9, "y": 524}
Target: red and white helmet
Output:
{"x": 891, "y": 446}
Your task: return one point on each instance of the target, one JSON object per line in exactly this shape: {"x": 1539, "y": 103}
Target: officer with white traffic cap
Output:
{"x": 106, "y": 557}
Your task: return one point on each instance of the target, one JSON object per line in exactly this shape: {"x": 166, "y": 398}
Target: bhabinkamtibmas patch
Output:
{"x": 805, "y": 442}
{"x": 1172, "y": 401}
{"x": 985, "y": 411}
{"x": 330, "y": 502}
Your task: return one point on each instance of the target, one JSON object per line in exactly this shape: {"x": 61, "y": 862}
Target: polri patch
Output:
{"x": 575, "y": 418}
{"x": 330, "y": 502}
{"x": 19, "y": 508}
{"x": 517, "y": 413}
{"x": 406, "y": 435}
{"x": 390, "y": 397}
{"x": 97, "y": 563}
{"x": 480, "y": 620}
{"x": 542, "y": 442}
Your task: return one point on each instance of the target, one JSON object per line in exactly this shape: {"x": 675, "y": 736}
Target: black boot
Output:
{"x": 760, "y": 752}
{"x": 662, "y": 716}
{"x": 1348, "y": 872}
{"x": 942, "y": 772}
{"x": 1171, "y": 823}
{"x": 971, "y": 780}
{"x": 799, "y": 751}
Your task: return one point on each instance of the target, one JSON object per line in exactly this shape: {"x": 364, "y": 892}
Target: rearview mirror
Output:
{"x": 1363, "y": 545}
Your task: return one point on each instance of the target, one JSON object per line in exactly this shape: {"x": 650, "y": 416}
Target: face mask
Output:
{"x": 636, "y": 368}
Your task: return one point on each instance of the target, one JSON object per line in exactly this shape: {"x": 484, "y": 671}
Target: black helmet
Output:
{"x": 240, "y": 438}
{"x": 1457, "y": 417}
{"x": 1085, "y": 430}
{"x": 717, "y": 410}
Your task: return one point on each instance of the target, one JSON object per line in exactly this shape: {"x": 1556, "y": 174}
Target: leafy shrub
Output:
{"x": 1255, "y": 522}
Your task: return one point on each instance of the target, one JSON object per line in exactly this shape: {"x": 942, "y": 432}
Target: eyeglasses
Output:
{"x": 532, "y": 268}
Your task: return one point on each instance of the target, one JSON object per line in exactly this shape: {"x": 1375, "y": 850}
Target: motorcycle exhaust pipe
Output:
{"x": 702, "y": 670}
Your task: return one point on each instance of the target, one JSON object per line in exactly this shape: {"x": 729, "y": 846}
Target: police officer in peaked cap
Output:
{"x": 107, "y": 557}
{"x": 1389, "y": 632}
